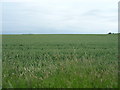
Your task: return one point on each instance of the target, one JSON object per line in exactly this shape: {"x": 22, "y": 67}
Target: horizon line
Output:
{"x": 54, "y": 33}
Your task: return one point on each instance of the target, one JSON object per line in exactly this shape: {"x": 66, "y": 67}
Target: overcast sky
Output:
{"x": 60, "y": 16}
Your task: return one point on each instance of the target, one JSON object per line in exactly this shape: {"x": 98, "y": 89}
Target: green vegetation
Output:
{"x": 60, "y": 61}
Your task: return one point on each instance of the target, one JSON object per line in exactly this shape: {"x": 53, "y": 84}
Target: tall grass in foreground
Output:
{"x": 60, "y": 61}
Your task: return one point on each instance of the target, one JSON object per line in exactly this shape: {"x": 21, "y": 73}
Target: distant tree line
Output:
{"x": 113, "y": 33}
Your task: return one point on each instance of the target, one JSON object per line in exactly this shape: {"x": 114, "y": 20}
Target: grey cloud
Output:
{"x": 55, "y": 18}
{"x": 92, "y": 12}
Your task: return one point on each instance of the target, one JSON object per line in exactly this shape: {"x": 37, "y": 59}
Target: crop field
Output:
{"x": 60, "y": 61}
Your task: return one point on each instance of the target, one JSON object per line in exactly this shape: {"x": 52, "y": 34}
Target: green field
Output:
{"x": 60, "y": 61}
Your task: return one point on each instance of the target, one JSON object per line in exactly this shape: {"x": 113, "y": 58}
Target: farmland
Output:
{"x": 60, "y": 61}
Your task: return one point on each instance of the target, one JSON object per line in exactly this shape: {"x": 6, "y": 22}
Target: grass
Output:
{"x": 60, "y": 61}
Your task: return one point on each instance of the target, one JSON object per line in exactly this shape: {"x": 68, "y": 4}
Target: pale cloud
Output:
{"x": 0, "y": 20}
{"x": 17, "y": 0}
{"x": 59, "y": 16}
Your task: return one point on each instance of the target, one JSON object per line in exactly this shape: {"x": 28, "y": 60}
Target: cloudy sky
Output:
{"x": 59, "y": 16}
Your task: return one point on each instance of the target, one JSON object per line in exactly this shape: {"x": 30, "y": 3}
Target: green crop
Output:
{"x": 60, "y": 61}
